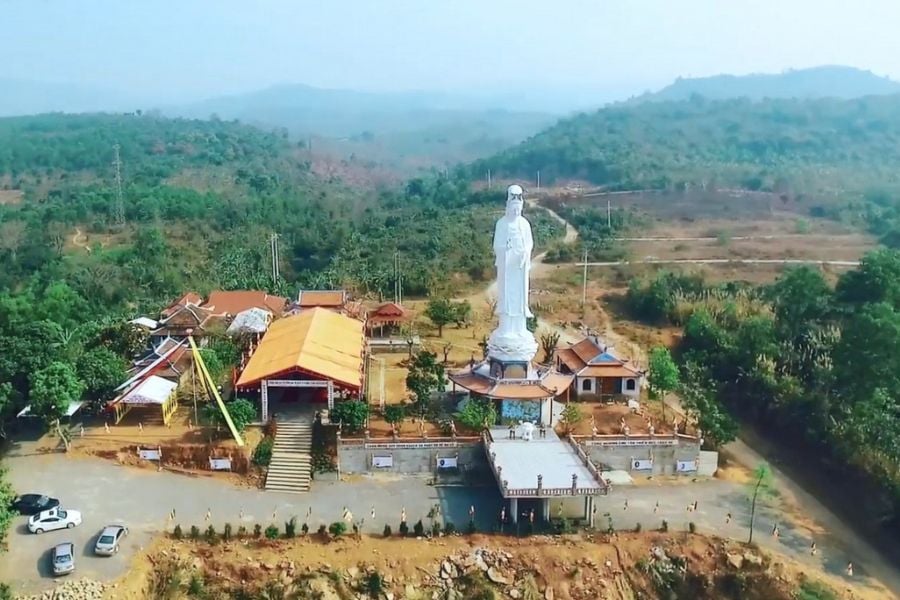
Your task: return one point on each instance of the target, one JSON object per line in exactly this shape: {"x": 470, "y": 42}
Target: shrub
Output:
{"x": 272, "y": 532}
{"x": 665, "y": 526}
{"x": 394, "y": 413}
{"x": 387, "y": 531}
{"x": 226, "y": 532}
{"x": 305, "y": 528}
{"x": 177, "y": 533}
{"x": 404, "y": 529}
{"x": 323, "y": 530}
{"x": 262, "y": 454}
{"x": 195, "y": 586}
{"x": 352, "y": 414}
{"x": 210, "y": 534}
{"x": 195, "y": 532}
{"x": 449, "y": 528}
{"x": 471, "y": 529}
{"x": 337, "y": 529}
{"x": 242, "y": 531}
{"x": 637, "y": 528}
{"x": 290, "y": 528}
{"x": 692, "y": 527}
{"x": 435, "y": 529}
{"x": 374, "y": 584}
{"x": 419, "y": 529}
{"x": 257, "y": 530}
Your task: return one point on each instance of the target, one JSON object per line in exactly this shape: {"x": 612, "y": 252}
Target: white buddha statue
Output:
{"x": 513, "y": 244}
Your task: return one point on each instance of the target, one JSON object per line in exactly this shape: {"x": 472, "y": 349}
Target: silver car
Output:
{"x": 63, "y": 557}
{"x": 108, "y": 542}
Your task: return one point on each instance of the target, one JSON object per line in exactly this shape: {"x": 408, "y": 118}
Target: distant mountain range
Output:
{"x": 817, "y": 82}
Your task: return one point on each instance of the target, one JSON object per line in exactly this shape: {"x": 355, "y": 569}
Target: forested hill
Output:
{"x": 817, "y": 82}
{"x": 805, "y": 145}
{"x": 201, "y": 199}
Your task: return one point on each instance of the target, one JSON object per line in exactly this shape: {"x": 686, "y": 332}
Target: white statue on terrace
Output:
{"x": 513, "y": 244}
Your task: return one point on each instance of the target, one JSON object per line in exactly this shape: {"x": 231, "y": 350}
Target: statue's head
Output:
{"x": 515, "y": 200}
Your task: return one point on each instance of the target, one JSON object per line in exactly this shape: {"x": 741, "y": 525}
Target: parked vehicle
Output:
{"x": 108, "y": 542}
{"x": 55, "y": 518}
{"x": 31, "y": 504}
{"x": 63, "y": 557}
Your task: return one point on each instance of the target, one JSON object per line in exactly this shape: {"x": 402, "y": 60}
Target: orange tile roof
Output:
{"x": 236, "y": 301}
{"x": 586, "y": 349}
{"x": 318, "y": 341}
{"x": 551, "y": 385}
{"x": 611, "y": 370}
{"x": 568, "y": 357}
{"x": 311, "y": 298}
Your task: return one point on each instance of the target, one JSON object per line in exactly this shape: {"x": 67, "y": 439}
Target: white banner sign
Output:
{"x": 220, "y": 464}
{"x": 685, "y": 466}
{"x": 641, "y": 465}
{"x": 382, "y": 462}
{"x": 447, "y": 462}
{"x": 148, "y": 454}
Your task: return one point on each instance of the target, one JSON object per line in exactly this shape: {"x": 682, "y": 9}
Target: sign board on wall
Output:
{"x": 220, "y": 464}
{"x": 448, "y": 462}
{"x": 149, "y": 454}
{"x": 383, "y": 462}
{"x": 641, "y": 465}
{"x": 685, "y": 466}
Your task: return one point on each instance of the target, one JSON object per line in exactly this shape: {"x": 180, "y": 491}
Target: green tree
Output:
{"x": 53, "y": 389}
{"x": 242, "y": 411}
{"x": 762, "y": 487}
{"x": 663, "y": 376}
{"x": 121, "y": 337}
{"x": 477, "y": 414}
{"x": 102, "y": 371}
{"x": 462, "y": 313}
{"x": 441, "y": 311}
{"x": 214, "y": 364}
{"x": 394, "y": 413}
{"x": 10, "y": 401}
{"x": 571, "y": 416}
{"x": 549, "y": 342}
{"x": 698, "y": 397}
{"x": 426, "y": 376}
{"x": 876, "y": 280}
{"x": 351, "y": 414}
{"x": 7, "y": 515}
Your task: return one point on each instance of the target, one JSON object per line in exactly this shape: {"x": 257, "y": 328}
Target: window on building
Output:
{"x": 630, "y": 385}
{"x": 585, "y": 385}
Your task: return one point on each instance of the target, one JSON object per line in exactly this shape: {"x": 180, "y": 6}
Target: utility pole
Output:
{"x": 608, "y": 214}
{"x": 584, "y": 283}
{"x": 489, "y": 178}
{"x": 273, "y": 247}
{"x": 119, "y": 207}
{"x": 539, "y": 179}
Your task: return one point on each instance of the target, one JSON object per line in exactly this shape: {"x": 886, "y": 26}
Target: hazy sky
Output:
{"x": 190, "y": 48}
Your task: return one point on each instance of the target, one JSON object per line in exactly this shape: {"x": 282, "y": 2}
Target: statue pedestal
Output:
{"x": 512, "y": 346}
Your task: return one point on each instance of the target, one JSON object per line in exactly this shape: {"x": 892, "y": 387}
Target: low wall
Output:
{"x": 409, "y": 456}
{"x": 620, "y": 453}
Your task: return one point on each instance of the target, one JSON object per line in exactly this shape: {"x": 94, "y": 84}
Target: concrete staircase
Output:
{"x": 290, "y": 469}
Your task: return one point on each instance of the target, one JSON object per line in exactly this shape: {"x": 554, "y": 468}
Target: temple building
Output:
{"x": 598, "y": 372}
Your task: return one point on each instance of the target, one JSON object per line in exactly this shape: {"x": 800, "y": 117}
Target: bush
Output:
{"x": 272, "y": 532}
{"x": 242, "y": 532}
{"x": 387, "y": 531}
{"x": 374, "y": 584}
{"x": 210, "y": 534}
{"x": 637, "y": 528}
{"x": 195, "y": 586}
{"x": 290, "y": 528}
{"x": 177, "y": 533}
{"x": 305, "y": 528}
{"x": 692, "y": 527}
{"x": 665, "y": 526}
{"x": 226, "y": 532}
{"x": 257, "y": 530}
{"x": 195, "y": 532}
{"x": 404, "y": 529}
{"x": 435, "y": 529}
{"x": 419, "y": 529}
{"x": 449, "y": 528}
{"x": 323, "y": 531}
{"x": 337, "y": 529}
{"x": 352, "y": 414}
{"x": 262, "y": 454}
{"x": 471, "y": 529}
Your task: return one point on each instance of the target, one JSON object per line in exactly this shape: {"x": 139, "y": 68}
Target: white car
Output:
{"x": 55, "y": 518}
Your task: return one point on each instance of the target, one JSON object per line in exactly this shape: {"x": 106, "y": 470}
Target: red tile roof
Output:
{"x": 191, "y": 298}
{"x": 236, "y": 301}
{"x": 325, "y": 298}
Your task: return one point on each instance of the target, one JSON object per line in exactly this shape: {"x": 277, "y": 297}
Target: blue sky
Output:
{"x": 174, "y": 50}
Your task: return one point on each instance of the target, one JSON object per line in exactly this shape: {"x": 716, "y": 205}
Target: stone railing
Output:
{"x": 619, "y": 440}
{"x": 409, "y": 442}
{"x": 586, "y": 460}
{"x": 540, "y": 491}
